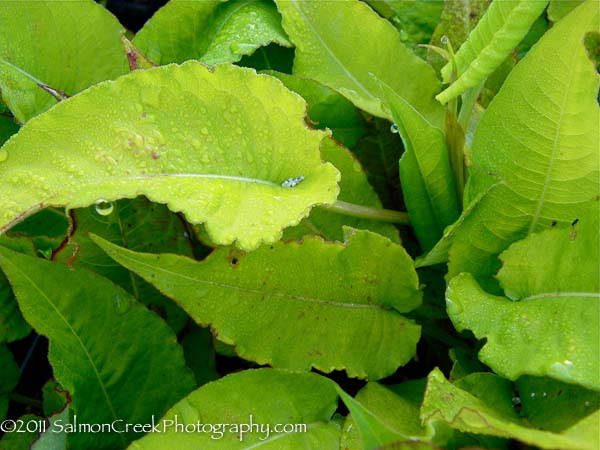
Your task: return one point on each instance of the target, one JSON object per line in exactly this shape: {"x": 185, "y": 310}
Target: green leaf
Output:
{"x": 327, "y": 108}
{"x": 8, "y": 127}
{"x": 9, "y": 377}
{"x": 415, "y": 20}
{"x": 180, "y": 135}
{"x": 354, "y": 188}
{"x": 554, "y": 406}
{"x": 339, "y": 312}
{"x": 210, "y": 31}
{"x": 379, "y": 152}
{"x": 550, "y": 326}
{"x": 560, "y": 8}
{"x": 458, "y": 19}
{"x": 99, "y": 340}
{"x": 22, "y": 441}
{"x": 385, "y": 414}
{"x": 52, "y": 438}
{"x": 447, "y": 403}
{"x": 502, "y": 27}
{"x": 539, "y": 140}
{"x": 65, "y": 45}
{"x": 136, "y": 224}
{"x": 265, "y": 398}
{"x": 341, "y": 57}
{"x": 425, "y": 174}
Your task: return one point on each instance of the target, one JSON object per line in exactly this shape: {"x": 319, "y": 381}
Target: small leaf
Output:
{"x": 502, "y": 27}
{"x": 341, "y": 57}
{"x": 180, "y": 135}
{"x": 264, "y": 397}
{"x": 99, "y": 340}
{"x": 339, "y": 312}
{"x": 551, "y": 327}
{"x": 464, "y": 411}
{"x": 425, "y": 174}
{"x": 65, "y": 45}
{"x": 213, "y": 32}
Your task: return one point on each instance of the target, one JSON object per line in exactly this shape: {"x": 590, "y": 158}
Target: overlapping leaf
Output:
{"x": 210, "y": 31}
{"x": 264, "y": 397}
{"x": 551, "y": 325}
{"x": 488, "y": 410}
{"x": 539, "y": 140}
{"x": 99, "y": 341}
{"x": 65, "y": 45}
{"x": 341, "y": 56}
{"x": 340, "y": 311}
{"x": 425, "y": 174}
{"x": 215, "y": 145}
{"x": 502, "y": 27}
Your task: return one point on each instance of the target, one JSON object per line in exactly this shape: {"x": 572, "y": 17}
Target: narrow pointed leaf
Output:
{"x": 464, "y": 411}
{"x": 99, "y": 340}
{"x": 339, "y": 312}
{"x": 210, "y": 31}
{"x": 425, "y": 174}
{"x": 551, "y": 327}
{"x": 341, "y": 57}
{"x": 65, "y": 45}
{"x": 180, "y": 135}
{"x": 539, "y": 140}
{"x": 502, "y": 27}
{"x": 264, "y": 397}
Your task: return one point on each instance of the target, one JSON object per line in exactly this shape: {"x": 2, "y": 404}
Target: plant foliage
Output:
{"x": 287, "y": 224}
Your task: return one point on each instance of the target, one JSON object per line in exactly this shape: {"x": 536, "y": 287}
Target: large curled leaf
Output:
{"x": 341, "y": 56}
{"x": 340, "y": 311}
{"x": 215, "y": 145}
{"x": 99, "y": 341}
{"x": 425, "y": 174}
{"x": 488, "y": 411}
{"x": 210, "y": 31}
{"x": 503, "y": 26}
{"x": 539, "y": 140}
{"x": 65, "y": 45}
{"x": 551, "y": 326}
{"x": 267, "y": 398}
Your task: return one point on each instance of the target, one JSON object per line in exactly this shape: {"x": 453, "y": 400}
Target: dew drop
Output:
{"x": 3, "y": 155}
{"x": 121, "y": 305}
{"x": 532, "y": 395}
{"x": 444, "y": 40}
{"x": 394, "y": 128}
{"x": 516, "y": 401}
{"x": 587, "y": 404}
{"x": 103, "y": 207}
{"x": 403, "y": 35}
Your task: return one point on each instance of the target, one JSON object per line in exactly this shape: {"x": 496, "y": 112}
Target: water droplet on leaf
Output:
{"x": 103, "y": 207}
{"x": 121, "y": 305}
{"x": 394, "y": 128}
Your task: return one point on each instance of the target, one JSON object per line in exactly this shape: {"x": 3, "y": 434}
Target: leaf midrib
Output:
{"x": 255, "y": 291}
{"x": 74, "y": 333}
{"x": 562, "y": 294}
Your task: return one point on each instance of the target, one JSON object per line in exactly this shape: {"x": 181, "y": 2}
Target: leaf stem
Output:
{"x": 367, "y": 212}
